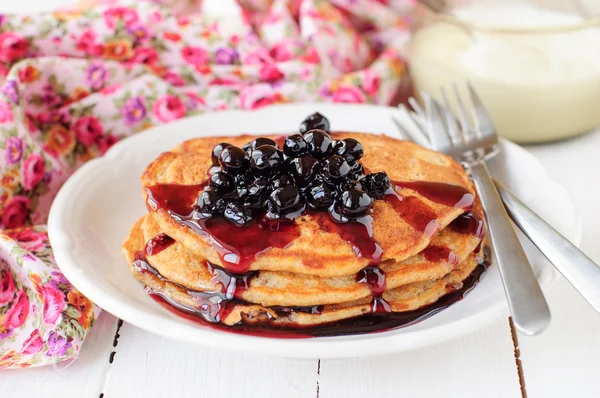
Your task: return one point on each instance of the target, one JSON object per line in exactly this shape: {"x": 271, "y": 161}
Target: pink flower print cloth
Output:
{"x": 75, "y": 83}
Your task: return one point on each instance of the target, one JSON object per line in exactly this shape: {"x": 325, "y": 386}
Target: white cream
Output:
{"x": 537, "y": 87}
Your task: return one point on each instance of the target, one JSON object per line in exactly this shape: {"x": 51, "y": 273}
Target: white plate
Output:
{"x": 94, "y": 210}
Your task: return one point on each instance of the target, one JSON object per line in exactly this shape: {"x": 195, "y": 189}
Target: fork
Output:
{"x": 577, "y": 268}
{"x": 471, "y": 144}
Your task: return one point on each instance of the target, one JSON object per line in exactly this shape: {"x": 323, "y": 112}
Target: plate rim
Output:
{"x": 387, "y": 342}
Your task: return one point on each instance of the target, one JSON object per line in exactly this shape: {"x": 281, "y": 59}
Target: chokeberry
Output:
{"x": 294, "y": 145}
{"x": 234, "y": 160}
{"x": 216, "y": 152}
{"x": 375, "y": 184}
{"x": 209, "y": 203}
{"x": 260, "y": 141}
{"x": 350, "y": 149}
{"x": 336, "y": 168}
{"x": 320, "y": 144}
{"x": 304, "y": 169}
{"x": 223, "y": 184}
{"x": 266, "y": 159}
{"x": 314, "y": 121}
{"x": 319, "y": 195}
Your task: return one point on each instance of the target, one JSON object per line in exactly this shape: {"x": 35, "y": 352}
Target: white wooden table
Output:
{"x": 120, "y": 360}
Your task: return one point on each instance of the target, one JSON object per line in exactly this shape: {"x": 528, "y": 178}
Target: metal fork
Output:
{"x": 471, "y": 144}
{"x": 577, "y": 268}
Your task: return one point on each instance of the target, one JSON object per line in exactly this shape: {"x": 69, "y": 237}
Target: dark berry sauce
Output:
{"x": 440, "y": 253}
{"x": 158, "y": 244}
{"x": 380, "y": 318}
{"x": 374, "y": 277}
{"x": 358, "y": 233}
{"x": 442, "y": 193}
{"x": 415, "y": 212}
{"x": 212, "y": 306}
{"x": 469, "y": 223}
{"x": 237, "y": 246}
{"x": 231, "y": 284}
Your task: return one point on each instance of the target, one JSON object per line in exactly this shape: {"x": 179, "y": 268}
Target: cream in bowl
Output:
{"x": 537, "y": 69}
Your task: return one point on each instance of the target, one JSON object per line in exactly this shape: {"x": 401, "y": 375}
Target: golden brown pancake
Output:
{"x": 316, "y": 251}
{"x": 269, "y": 288}
{"x": 404, "y": 298}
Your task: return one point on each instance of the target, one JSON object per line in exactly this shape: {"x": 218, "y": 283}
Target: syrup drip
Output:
{"x": 358, "y": 233}
{"x": 469, "y": 223}
{"x": 158, "y": 244}
{"x": 379, "y": 305}
{"x": 415, "y": 212}
{"x": 441, "y": 193}
{"x": 237, "y": 246}
{"x": 231, "y": 285}
{"x": 440, "y": 253}
{"x": 374, "y": 277}
{"x": 212, "y": 306}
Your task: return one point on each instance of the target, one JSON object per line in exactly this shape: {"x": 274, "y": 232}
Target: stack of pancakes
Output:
{"x": 318, "y": 277}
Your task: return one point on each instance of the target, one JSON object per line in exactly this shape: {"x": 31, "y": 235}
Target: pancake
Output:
{"x": 401, "y": 299}
{"x": 176, "y": 263}
{"x": 416, "y": 216}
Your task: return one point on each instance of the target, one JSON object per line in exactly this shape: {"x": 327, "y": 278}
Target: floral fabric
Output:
{"x": 75, "y": 83}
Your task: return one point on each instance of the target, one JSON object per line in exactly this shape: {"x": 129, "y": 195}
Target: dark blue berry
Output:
{"x": 209, "y": 203}
{"x": 223, "y": 184}
{"x": 304, "y": 169}
{"x": 356, "y": 171}
{"x": 320, "y": 144}
{"x": 314, "y": 121}
{"x": 336, "y": 168}
{"x": 266, "y": 159}
{"x": 319, "y": 195}
{"x": 295, "y": 146}
{"x": 285, "y": 202}
{"x": 353, "y": 203}
{"x": 216, "y": 152}
{"x": 258, "y": 192}
{"x": 350, "y": 149}
{"x": 280, "y": 180}
{"x": 234, "y": 160}
{"x": 376, "y": 184}
{"x": 260, "y": 141}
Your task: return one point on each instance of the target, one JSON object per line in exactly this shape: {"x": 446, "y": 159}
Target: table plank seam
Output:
{"x": 111, "y": 358}
{"x": 517, "y": 353}
{"x": 318, "y": 376}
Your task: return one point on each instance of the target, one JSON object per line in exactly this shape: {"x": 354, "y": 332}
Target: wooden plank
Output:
{"x": 482, "y": 364}
{"x": 82, "y": 378}
{"x": 564, "y": 359}
{"x": 147, "y": 365}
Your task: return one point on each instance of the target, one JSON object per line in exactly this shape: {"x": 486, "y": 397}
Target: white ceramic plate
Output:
{"x": 94, "y": 210}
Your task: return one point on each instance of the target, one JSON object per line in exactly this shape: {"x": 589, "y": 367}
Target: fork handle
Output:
{"x": 526, "y": 301}
{"x": 571, "y": 262}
